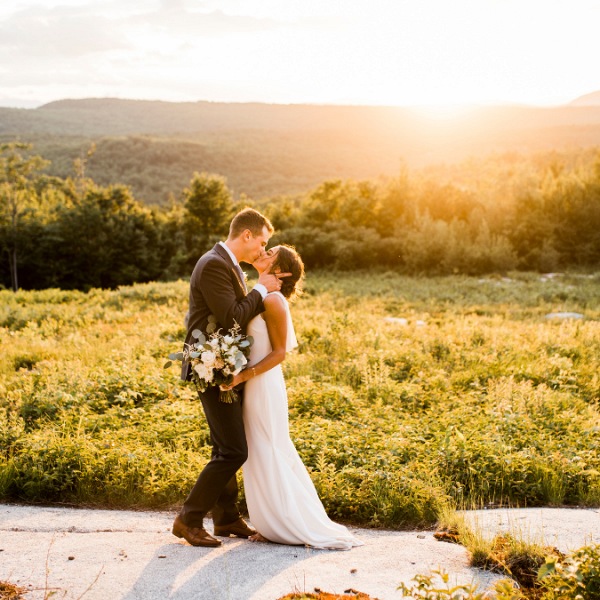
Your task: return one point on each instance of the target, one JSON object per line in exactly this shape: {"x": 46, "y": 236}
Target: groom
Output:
{"x": 217, "y": 287}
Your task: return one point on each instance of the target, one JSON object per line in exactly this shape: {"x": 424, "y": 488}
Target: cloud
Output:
{"x": 114, "y": 43}
{"x": 60, "y": 31}
{"x": 172, "y": 17}
{"x": 74, "y": 31}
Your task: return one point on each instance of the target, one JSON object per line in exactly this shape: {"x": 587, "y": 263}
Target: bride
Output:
{"x": 282, "y": 500}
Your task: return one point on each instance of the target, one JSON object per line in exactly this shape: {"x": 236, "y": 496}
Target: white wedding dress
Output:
{"x": 282, "y": 500}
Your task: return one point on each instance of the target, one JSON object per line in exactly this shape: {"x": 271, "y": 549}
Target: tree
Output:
{"x": 17, "y": 176}
{"x": 208, "y": 206}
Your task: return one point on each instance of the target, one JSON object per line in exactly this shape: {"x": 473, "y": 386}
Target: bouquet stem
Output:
{"x": 228, "y": 396}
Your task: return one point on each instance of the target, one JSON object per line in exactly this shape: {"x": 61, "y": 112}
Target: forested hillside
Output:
{"x": 265, "y": 150}
{"x": 256, "y": 163}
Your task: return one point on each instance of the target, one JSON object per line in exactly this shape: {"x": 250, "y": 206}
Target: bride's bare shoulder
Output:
{"x": 275, "y": 303}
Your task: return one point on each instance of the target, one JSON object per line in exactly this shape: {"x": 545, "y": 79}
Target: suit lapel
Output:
{"x": 237, "y": 278}
{"x": 225, "y": 256}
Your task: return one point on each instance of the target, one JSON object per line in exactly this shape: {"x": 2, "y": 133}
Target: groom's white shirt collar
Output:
{"x": 231, "y": 254}
{"x": 259, "y": 287}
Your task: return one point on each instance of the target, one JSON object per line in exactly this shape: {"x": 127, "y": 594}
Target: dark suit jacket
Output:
{"x": 216, "y": 289}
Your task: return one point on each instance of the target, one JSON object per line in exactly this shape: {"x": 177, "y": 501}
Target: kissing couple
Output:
{"x": 253, "y": 432}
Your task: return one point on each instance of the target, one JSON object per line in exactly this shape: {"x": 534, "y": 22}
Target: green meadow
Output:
{"x": 476, "y": 399}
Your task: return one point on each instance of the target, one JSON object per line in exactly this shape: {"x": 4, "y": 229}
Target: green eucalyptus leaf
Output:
{"x": 194, "y": 354}
{"x": 546, "y": 569}
{"x": 179, "y": 356}
{"x": 244, "y": 344}
{"x": 250, "y": 339}
{"x": 196, "y": 333}
{"x": 173, "y": 356}
{"x": 207, "y": 346}
{"x": 167, "y": 365}
{"x": 239, "y": 356}
{"x": 239, "y": 364}
{"x": 212, "y": 319}
{"x": 202, "y": 338}
{"x": 211, "y": 327}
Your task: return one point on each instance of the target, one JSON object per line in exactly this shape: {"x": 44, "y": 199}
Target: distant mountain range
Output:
{"x": 592, "y": 99}
{"x": 268, "y": 149}
{"x": 110, "y": 116}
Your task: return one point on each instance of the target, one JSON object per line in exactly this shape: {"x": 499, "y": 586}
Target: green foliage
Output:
{"x": 208, "y": 207}
{"x": 578, "y": 576}
{"x": 493, "y": 215}
{"x": 488, "y": 401}
{"x": 427, "y": 587}
{"x": 17, "y": 199}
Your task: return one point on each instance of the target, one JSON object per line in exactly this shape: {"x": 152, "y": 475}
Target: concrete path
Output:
{"x": 126, "y": 555}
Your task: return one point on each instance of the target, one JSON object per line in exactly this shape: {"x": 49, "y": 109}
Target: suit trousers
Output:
{"x": 216, "y": 488}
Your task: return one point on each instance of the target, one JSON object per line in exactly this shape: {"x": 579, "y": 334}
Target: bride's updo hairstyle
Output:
{"x": 289, "y": 261}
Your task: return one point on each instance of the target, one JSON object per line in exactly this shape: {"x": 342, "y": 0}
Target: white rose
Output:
{"x": 219, "y": 363}
{"x": 228, "y": 339}
{"x": 244, "y": 360}
{"x": 208, "y": 358}
{"x": 204, "y": 372}
{"x": 214, "y": 342}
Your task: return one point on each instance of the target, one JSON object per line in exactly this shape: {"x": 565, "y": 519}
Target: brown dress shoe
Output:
{"x": 194, "y": 535}
{"x": 238, "y": 529}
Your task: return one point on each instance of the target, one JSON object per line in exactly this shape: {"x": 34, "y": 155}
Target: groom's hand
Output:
{"x": 272, "y": 281}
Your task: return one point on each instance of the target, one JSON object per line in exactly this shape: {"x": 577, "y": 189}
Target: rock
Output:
{"x": 71, "y": 558}
{"x": 564, "y": 315}
{"x": 162, "y": 556}
{"x": 398, "y": 320}
{"x": 352, "y": 570}
{"x": 420, "y": 537}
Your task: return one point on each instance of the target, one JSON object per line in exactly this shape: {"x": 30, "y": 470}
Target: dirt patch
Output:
{"x": 8, "y": 591}
{"x": 521, "y": 561}
{"x": 451, "y": 536}
{"x": 320, "y": 595}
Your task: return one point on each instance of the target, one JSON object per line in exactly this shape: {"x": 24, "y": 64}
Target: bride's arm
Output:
{"x": 275, "y": 317}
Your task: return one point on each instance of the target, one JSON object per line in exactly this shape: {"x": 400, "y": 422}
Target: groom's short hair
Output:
{"x": 249, "y": 219}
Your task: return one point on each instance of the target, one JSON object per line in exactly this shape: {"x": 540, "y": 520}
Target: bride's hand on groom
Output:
{"x": 239, "y": 378}
{"x": 272, "y": 281}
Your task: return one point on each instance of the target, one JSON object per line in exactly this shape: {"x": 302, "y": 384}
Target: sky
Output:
{"x": 382, "y": 52}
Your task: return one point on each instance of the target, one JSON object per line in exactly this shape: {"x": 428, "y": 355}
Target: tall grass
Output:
{"x": 487, "y": 401}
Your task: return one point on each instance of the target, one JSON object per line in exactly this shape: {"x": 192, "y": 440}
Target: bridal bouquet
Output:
{"x": 216, "y": 359}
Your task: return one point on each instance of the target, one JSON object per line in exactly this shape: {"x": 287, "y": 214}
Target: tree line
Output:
{"x": 494, "y": 214}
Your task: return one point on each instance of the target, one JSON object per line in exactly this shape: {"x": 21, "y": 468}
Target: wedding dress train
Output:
{"x": 282, "y": 501}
